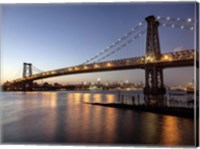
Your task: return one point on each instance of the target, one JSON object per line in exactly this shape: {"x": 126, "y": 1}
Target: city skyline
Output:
{"x": 46, "y": 36}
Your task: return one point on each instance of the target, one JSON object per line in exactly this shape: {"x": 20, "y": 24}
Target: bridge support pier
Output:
{"x": 154, "y": 86}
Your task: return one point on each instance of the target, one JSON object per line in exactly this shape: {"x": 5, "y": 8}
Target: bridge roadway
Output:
{"x": 167, "y": 60}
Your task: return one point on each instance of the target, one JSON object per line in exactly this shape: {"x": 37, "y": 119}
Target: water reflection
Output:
{"x": 110, "y": 98}
{"x": 97, "y": 97}
{"x": 110, "y": 125}
{"x": 62, "y": 117}
{"x": 51, "y": 99}
{"x": 170, "y": 134}
{"x": 87, "y": 97}
{"x": 84, "y": 123}
{"x": 77, "y": 98}
{"x": 149, "y": 126}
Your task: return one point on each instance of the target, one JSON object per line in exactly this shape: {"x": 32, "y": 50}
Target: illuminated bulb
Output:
{"x": 189, "y": 19}
{"x": 125, "y": 34}
{"x": 140, "y": 23}
{"x": 192, "y": 28}
{"x": 132, "y": 29}
{"x": 168, "y": 18}
{"x": 164, "y": 24}
{"x": 182, "y": 27}
{"x": 172, "y": 25}
{"x": 158, "y": 17}
{"x": 119, "y": 39}
{"x": 178, "y": 19}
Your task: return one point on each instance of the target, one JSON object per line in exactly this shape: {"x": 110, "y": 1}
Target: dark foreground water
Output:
{"x": 63, "y": 118}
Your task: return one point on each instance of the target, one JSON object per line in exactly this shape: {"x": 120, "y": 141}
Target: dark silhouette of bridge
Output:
{"x": 153, "y": 62}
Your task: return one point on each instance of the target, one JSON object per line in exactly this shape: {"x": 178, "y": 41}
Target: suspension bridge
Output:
{"x": 153, "y": 62}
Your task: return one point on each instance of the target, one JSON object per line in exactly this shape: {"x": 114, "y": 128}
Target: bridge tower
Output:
{"x": 27, "y": 72}
{"x": 154, "y": 86}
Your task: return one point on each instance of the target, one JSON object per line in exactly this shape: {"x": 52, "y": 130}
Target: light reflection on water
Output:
{"x": 62, "y": 117}
{"x": 171, "y": 128}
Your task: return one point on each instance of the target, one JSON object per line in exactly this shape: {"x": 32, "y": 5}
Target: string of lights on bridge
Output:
{"x": 138, "y": 35}
{"x": 132, "y": 32}
{"x": 189, "y": 20}
{"x": 187, "y": 24}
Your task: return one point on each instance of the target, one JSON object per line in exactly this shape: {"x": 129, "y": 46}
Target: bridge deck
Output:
{"x": 167, "y": 60}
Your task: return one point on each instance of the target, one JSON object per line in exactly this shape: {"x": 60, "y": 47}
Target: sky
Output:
{"x": 53, "y": 36}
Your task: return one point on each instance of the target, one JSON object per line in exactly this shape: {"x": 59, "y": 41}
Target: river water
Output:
{"x": 63, "y": 118}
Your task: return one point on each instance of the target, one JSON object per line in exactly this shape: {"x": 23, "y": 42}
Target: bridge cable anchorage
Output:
{"x": 186, "y": 24}
{"x": 137, "y": 36}
{"x": 120, "y": 40}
